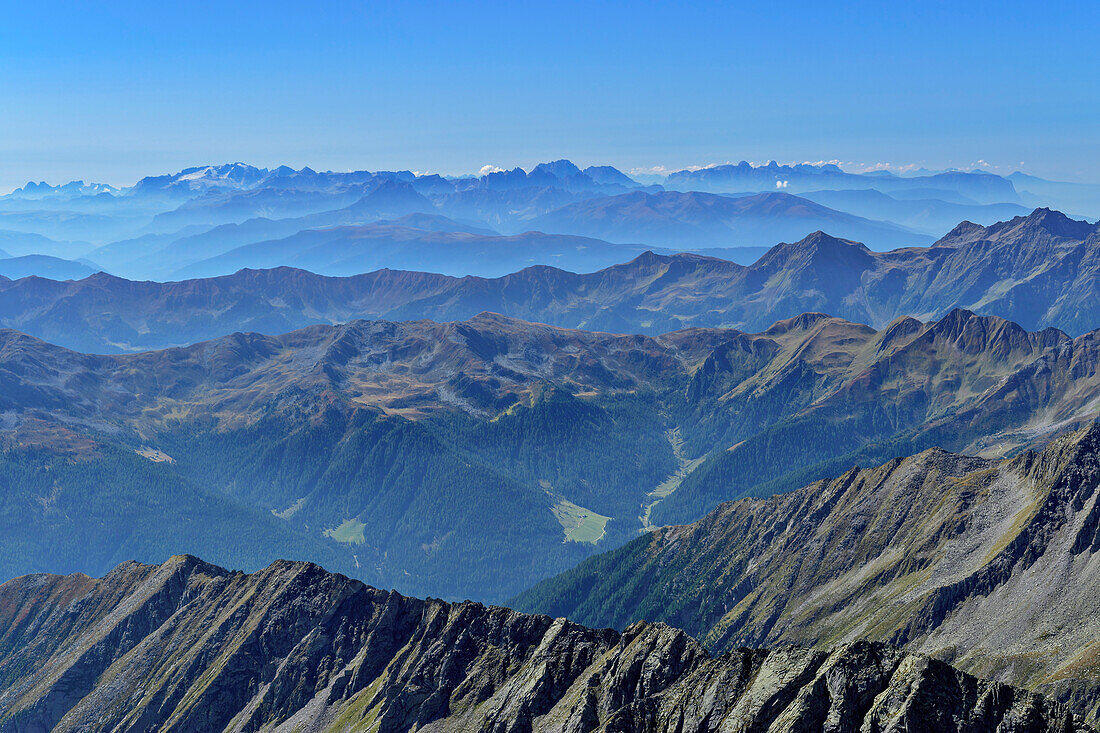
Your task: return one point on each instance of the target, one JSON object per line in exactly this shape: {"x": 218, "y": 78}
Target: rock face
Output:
{"x": 189, "y": 646}
{"x": 991, "y": 565}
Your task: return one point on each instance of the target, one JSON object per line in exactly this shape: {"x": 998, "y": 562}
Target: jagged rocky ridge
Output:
{"x": 189, "y": 646}
{"x": 990, "y": 565}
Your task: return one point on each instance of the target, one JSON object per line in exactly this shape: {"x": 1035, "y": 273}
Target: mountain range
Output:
{"x": 474, "y": 458}
{"x": 191, "y": 646}
{"x": 55, "y": 268}
{"x": 979, "y": 187}
{"x": 393, "y": 226}
{"x": 694, "y": 220}
{"x": 929, "y": 216}
{"x": 846, "y": 481}
{"x": 20, "y": 244}
{"x": 350, "y": 250}
{"x": 164, "y": 224}
{"x": 1040, "y": 270}
{"x": 989, "y": 565}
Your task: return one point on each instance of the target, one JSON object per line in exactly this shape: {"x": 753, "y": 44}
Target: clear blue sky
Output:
{"x": 113, "y": 91}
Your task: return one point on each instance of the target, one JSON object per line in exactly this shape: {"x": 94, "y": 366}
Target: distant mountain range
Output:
{"x": 65, "y": 225}
{"x": 1079, "y": 197}
{"x": 55, "y": 268}
{"x": 693, "y": 220}
{"x": 350, "y": 250}
{"x": 294, "y": 647}
{"x": 981, "y": 188}
{"x": 19, "y": 244}
{"x": 928, "y": 216}
{"x": 164, "y": 224}
{"x": 1041, "y": 270}
{"x": 43, "y": 190}
{"x": 663, "y": 220}
{"x": 990, "y": 565}
{"x": 341, "y": 242}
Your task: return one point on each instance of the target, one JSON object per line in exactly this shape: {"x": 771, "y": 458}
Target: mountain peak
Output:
{"x": 392, "y": 190}
{"x": 1058, "y": 224}
{"x": 963, "y": 231}
{"x": 559, "y": 168}
{"x": 649, "y": 258}
{"x": 820, "y": 239}
{"x": 816, "y": 249}
{"x": 801, "y": 322}
{"x": 954, "y": 321}
{"x": 1042, "y": 227}
{"x": 607, "y": 175}
{"x": 996, "y": 336}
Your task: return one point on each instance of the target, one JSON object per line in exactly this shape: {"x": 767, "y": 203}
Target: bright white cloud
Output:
{"x": 487, "y": 169}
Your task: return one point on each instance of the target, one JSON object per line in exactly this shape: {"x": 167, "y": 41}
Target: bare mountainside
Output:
{"x": 990, "y": 565}
{"x": 1041, "y": 271}
{"x": 190, "y": 646}
{"x": 477, "y": 457}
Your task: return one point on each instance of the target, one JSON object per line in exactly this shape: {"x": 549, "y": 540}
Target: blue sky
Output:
{"x": 113, "y": 91}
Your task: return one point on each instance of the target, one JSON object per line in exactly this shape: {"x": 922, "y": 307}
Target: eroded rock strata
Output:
{"x": 189, "y": 646}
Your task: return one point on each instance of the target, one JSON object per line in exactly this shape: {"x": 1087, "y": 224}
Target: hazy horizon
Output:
{"x": 110, "y": 94}
{"x": 642, "y": 172}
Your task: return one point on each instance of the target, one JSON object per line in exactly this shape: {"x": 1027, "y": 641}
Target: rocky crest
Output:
{"x": 190, "y": 646}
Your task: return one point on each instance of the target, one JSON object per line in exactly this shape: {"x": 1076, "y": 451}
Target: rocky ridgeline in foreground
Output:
{"x": 190, "y": 646}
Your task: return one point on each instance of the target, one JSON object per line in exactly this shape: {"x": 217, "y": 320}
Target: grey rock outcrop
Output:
{"x": 187, "y": 646}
